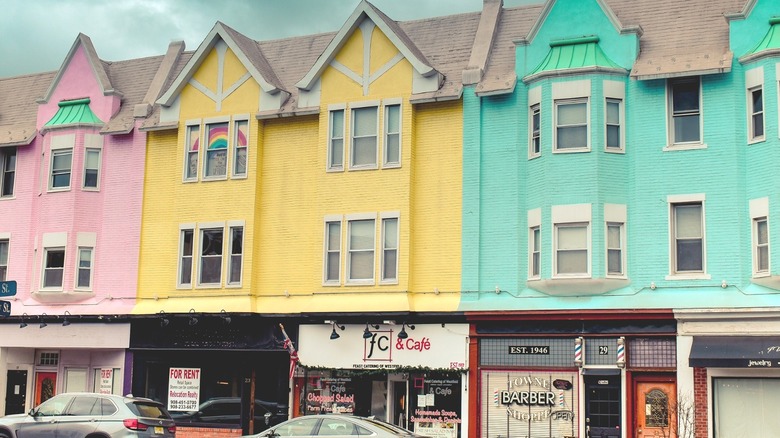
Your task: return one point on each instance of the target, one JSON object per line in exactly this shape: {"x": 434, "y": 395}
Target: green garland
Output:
{"x": 448, "y": 372}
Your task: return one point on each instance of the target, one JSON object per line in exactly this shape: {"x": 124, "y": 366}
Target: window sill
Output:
{"x": 359, "y": 283}
{"x": 391, "y": 166}
{"x": 684, "y": 147}
{"x": 58, "y": 189}
{"x": 577, "y": 286}
{"x": 373, "y": 167}
{"x": 209, "y": 286}
{"x": 334, "y": 169}
{"x": 391, "y": 282}
{"x": 691, "y": 276}
{"x": 233, "y": 286}
{"x": 571, "y": 151}
{"x": 239, "y": 177}
{"x": 45, "y": 296}
{"x": 618, "y": 151}
{"x": 770, "y": 281}
{"x": 215, "y": 178}
{"x": 7, "y": 198}
{"x": 533, "y": 156}
{"x": 331, "y": 284}
{"x": 189, "y": 181}
{"x": 756, "y": 140}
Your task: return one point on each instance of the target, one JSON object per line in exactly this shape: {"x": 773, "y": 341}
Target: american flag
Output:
{"x": 288, "y": 345}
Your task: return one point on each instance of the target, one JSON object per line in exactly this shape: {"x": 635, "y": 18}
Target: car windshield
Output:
{"x": 148, "y": 410}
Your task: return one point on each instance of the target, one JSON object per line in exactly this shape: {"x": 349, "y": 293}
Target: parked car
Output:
{"x": 227, "y": 410}
{"x": 332, "y": 425}
{"x": 79, "y": 414}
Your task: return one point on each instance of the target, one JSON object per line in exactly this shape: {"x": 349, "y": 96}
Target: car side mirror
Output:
{"x": 33, "y": 412}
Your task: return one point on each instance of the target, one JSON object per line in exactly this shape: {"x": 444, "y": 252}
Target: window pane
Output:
{"x": 689, "y": 255}
{"x": 613, "y": 113}
{"x": 535, "y": 266}
{"x": 334, "y": 236}
{"x": 211, "y": 256}
{"x": 391, "y": 233}
{"x": 573, "y": 262}
{"x": 686, "y": 128}
{"x": 337, "y": 124}
{"x": 85, "y": 268}
{"x": 572, "y": 113}
{"x": 762, "y": 256}
{"x": 240, "y": 149}
{"x": 336, "y": 152}
{"x": 392, "y": 133}
{"x": 212, "y": 242}
{"x": 61, "y": 161}
{"x": 211, "y": 268}
{"x": 236, "y": 253}
{"x": 361, "y": 265}
{"x": 55, "y": 259}
{"x": 537, "y": 239}
{"x": 8, "y": 163}
{"x": 572, "y": 237}
{"x": 390, "y": 254}
{"x": 686, "y": 96}
{"x": 614, "y": 262}
{"x": 240, "y": 166}
{"x": 3, "y": 252}
{"x": 186, "y": 270}
{"x": 332, "y": 270}
{"x": 216, "y": 156}
{"x": 392, "y": 149}
{"x": 361, "y": 235}
{"x": 241, "y": 127}
{"x": 92, "y": 159}
{"x": 90, "y": 178}
{"x": 762, "y": 232}
{"x": 688, "y": 221}
{"x": 758, "y": 125}
{"x": 390, "y": 259}
{"x": 52, "y": 278}
{"x": 573, "y": 137}
{"x": 745, "y": 407}
{"x": 365, "y": 122}
{"x": 364, "y": 151}
{"x": 613, "y": 236}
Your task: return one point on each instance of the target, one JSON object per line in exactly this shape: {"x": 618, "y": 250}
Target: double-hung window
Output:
{"x": 571, "y": 240}
{"x": 360, "y": 256}
{"x": 4, "y": 244}
{"x": 235, "y": 262}
{"x": 332, "y": 269}
{"x": 215, "y": 164}
{"x": 363, "y": 153}
{"x": 687, "y": 223}
{"x": 614, "y": 140}
{"x": 53, "y": 267}
{"x": 389, "y": 249}
{"x": 760, "y": 245}
{"x": 615, "y": 249}
{"x": 336, "y": 139}
{"x": 186, "y": 256}
{"x": 91, "y": 168}
{"x": 756, "y": 108}
{"x": 571, "y": 124}
{"x": 392, "y": 140}
{"x": 8, "y": 169}
{"x": 535, "y": 246}
{"x": 84, "y": 268}
{"x": 61, "y": 160}
{"x": 535, "y": 123}
{"x": 240, "y": 147}
{"x": 192, "y": 146}
{"x": 685, "y": 110}
{"x": 211, "y": 249}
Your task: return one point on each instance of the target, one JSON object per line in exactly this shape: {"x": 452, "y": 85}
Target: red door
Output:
{"x": 656, "y": 409}
{"x": 45, "y": 386}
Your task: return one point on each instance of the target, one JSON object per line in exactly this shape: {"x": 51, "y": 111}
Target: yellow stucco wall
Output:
{"x": 168, "y": 202}
{"x": 297, "y": 194}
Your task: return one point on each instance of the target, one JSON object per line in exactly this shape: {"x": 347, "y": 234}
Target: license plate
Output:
{"x": 159, "y": 430}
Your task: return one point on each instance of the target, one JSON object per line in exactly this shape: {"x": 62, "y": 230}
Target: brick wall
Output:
{"x": 700, "y": 401}
{"x": 206, "y": 432}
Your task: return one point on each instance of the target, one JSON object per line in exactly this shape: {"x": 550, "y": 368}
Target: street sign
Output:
{"x": 5, "y": 308}
{"x": 7, "y": 288}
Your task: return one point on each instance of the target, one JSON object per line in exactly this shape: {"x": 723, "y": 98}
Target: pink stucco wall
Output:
{"x": 113, "y": 213}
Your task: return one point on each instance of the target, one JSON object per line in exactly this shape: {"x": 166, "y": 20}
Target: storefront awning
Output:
{"x": 735, "y": 351}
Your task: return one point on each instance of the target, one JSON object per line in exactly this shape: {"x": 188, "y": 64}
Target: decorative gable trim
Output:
{"x": 394, "y": 33}
{"x": 94, "y": 61}
{"x": 221, "y": 33}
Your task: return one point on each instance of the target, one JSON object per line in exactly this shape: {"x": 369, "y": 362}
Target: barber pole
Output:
{"x": 288, "y": 345}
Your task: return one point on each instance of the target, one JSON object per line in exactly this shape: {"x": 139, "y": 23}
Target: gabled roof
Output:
{"x": 390, "y": 28}
{"x": 574, "y": 55}
{"x": 98, "y": 68}
{"x": 769, "y": 45}
{"x": 247, "y": 51}
{"x": 18, "y": 107}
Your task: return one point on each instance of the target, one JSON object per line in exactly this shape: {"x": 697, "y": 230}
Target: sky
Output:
{"x": 37, "y": 34}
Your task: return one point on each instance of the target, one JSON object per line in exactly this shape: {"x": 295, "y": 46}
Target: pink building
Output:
{"x": 71, "y": 189}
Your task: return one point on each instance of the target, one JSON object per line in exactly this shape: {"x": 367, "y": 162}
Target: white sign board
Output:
{"x": 106, "y": 381}
{"x": 183, "y": 389}
{"x": 429, "y": 345}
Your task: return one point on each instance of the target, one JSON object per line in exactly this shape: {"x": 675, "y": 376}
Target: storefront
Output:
{"x": 574, "y": 378}
{"x": 731, "y": 366}
{"x": 413, "y": 375}
{"x": 44, "y": 356}
{"x": 192, "y": 360}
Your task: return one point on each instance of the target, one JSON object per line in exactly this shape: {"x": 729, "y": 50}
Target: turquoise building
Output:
{"x": 617, "y": 233}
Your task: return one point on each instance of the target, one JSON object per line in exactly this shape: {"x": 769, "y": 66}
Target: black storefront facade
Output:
{"x": 185, "y": 360}
{"x": 562, "y": 374}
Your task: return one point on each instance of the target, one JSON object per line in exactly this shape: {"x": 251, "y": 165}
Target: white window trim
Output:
{"x": 362, "y": 105}
{"x": 229, "y": 247}
{"x": 187, "y": 125}
{"x": 534, "y": 222}
{"x": 576, "y": 100}
{"x": 234, "y": 146}
{"x": 621, "y": 125}
{"x": 186, "y": 227}
{"x": 386, "y": 103}
{"x": 671, "y": 145}
{"x": 331, "y": 109}
{"x": 99, "y": 170}
{"x": 616, "y": 214}
{"x": 347, "y": 253}
{"x": 672, "y": 200}
{"x": 534, "y": 100}
{"x": 54, "y": 152}
{"x": 91, "y": 268}
{"x": 572, "y": 215}
{"x": 204, "y": 145}
{"x": 382, "y": 216}
{"x": 200, "y": 228}
{"x": 752, "y": 138}
{"x": 44, "y": 253}
{"x": 4, "y": 156}
{"x": 333, "y": 218}
{"x": 759, "y": 209}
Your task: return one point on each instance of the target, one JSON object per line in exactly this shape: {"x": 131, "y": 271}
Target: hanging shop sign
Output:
{"x": 529, "y": 403}
{"x": 380, "y": 346}
{"x": 183, "y": 389}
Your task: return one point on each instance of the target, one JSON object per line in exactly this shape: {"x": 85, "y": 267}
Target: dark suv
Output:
{"x": 227, "y": 410}
{"x": 78, "y": 414}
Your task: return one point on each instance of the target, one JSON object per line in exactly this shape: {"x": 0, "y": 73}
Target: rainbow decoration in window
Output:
{"x": 218, "y": 136}
{"x": 241, "y": 126}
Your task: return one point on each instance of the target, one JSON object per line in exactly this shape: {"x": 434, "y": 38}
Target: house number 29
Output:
{"x": 603, "y": 349}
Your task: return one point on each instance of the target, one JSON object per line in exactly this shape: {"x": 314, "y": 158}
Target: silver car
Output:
{"x": 334, "y": 426}
{"x": 77, "y": 415}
